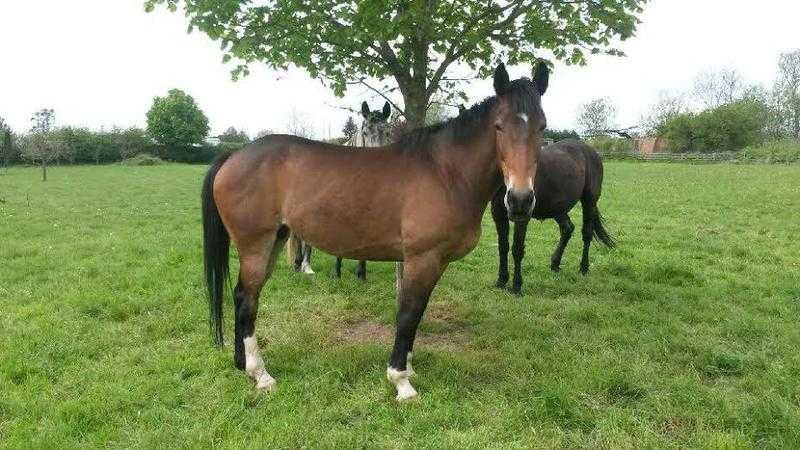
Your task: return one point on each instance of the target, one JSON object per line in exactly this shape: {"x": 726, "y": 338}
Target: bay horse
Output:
{"x": 568, "y": 171}
{"x": 418, "y": 201}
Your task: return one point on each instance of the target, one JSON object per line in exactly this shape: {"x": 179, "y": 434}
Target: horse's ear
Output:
{"x": 387, "y": 110}
{"x": 501, "y": 80}
{"x": 364, "y": 109}
{"x": 541, "y": 77}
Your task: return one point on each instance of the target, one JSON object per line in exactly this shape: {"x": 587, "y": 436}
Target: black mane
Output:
{"x": 463, "y": 128}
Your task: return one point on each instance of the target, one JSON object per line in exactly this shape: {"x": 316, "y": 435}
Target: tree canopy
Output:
{"x": 597, "y": 116}
{"x": 176, "y": 120}
{"x": 234, "y": 136}
{"x": 412, "y": 42}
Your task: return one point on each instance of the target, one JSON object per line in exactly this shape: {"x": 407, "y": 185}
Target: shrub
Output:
{"x": 726, "y": 128}
{"x": 142, "y": 159}
{"x": 783, "y": 151}
{"x": 610, "y": 145}
{"x": 198, "y": 154}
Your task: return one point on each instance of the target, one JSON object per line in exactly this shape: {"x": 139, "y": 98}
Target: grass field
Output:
{"x": 685, "y": 335}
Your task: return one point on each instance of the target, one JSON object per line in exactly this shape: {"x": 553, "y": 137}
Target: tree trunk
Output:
{"x": 44, "y": 170}
{"x": 415, "y": 112}
{"x": 416, "y": 104}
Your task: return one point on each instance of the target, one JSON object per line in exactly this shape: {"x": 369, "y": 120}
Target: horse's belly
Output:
{"x": 356, "y": 234}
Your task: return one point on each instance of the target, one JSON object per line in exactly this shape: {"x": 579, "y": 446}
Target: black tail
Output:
{"x": 600, "y": 230}
{"x": 216, "y": 245}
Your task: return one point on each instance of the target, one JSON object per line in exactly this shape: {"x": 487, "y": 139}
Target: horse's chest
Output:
{"x": 467, "y": 241}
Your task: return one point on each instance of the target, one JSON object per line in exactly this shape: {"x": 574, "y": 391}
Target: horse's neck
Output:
{"x": 474, "y": 170}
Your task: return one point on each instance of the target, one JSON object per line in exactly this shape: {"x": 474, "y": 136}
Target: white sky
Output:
{"x": 100, "y": 63}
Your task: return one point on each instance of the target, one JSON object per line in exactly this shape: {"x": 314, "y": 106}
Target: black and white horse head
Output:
{"x": 375, "y": 127}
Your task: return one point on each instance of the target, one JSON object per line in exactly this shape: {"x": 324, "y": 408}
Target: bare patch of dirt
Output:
{"x": 368, "y": 331}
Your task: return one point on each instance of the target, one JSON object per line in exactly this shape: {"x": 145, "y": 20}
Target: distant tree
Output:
{"x": 666, "y": 107}
{"x": 6, "y": 143}
{"x": 264, "y": 132}
{"x": 560, "y": 135}
{"x": 131, "y": 142}
{"x": 40, "y": 146}
{"x": 350, "y": 129}
{"x": 787, "y": 92}
{"x": 299, "y": 125}
{"x": 596, "y": 117}
{"x": 716, "y": 88}
{"x": 234, "y": 136}
{"x": 413, "y": 43}
{"x": 176, "y": 121}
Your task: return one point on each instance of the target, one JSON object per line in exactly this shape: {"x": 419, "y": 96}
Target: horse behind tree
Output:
{"x": 374, "y": 132}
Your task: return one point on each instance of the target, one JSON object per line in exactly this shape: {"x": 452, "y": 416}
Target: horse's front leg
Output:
{"x": 419, "y": 277}
{"x": 520, "y": 230}
{"x": 501, "y": 223}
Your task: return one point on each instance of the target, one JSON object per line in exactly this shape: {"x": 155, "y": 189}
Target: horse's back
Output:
{"x": 593, "y": 165}
{"x": 563, "y": 176}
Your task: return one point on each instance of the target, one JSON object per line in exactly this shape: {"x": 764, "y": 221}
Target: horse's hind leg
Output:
{"x": 500, "y": 216}
{"x": 361, "y": 271}
{"x": 518, "y": 251}
{"x": 337, "y": 269}
{"x": 305, "y": 264}
{"x": 418, "y": 278}
{"x": 256, "y": 261}
{"x": 589, "y": 210}
{"x": 295, "y": 251}
{"x": 566, "y": 228}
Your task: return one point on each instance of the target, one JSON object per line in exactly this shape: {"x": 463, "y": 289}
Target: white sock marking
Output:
{"x": 305, "y": 267}
{"x": 405, "y": 391}
{"x": 254, "y": 365}
{"x": 400, "y": 381}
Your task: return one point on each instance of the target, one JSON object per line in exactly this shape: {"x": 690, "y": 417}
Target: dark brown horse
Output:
{"x": 418, "y": 201}
{"x": 568, "y": 171}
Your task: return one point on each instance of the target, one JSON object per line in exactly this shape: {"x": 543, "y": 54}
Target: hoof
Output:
{"x": 517, "y": 291}
{"x": 555, "y": 267}
{"x": 405, "y": 391}
{"x": 407, "y": 395}
{"x": 584, "y": 271}
{"x": 501, "y": 283}
{"x": 265, "y": 383}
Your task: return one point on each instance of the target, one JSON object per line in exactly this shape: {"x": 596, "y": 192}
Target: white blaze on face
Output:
{"x": 254, "y": 365}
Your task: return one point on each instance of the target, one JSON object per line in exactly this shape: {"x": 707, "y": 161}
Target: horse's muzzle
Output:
{"x": 519, "y": 204}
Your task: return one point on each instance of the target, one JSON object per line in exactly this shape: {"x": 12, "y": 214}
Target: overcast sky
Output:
{"x": 99, "y": 63}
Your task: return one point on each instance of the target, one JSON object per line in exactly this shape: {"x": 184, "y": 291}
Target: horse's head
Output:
{"x": 375, "y": 128}
{"x": 519, "y": 126}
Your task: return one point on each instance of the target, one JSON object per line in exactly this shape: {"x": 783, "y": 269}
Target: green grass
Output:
{"x": 685, "y": 335}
